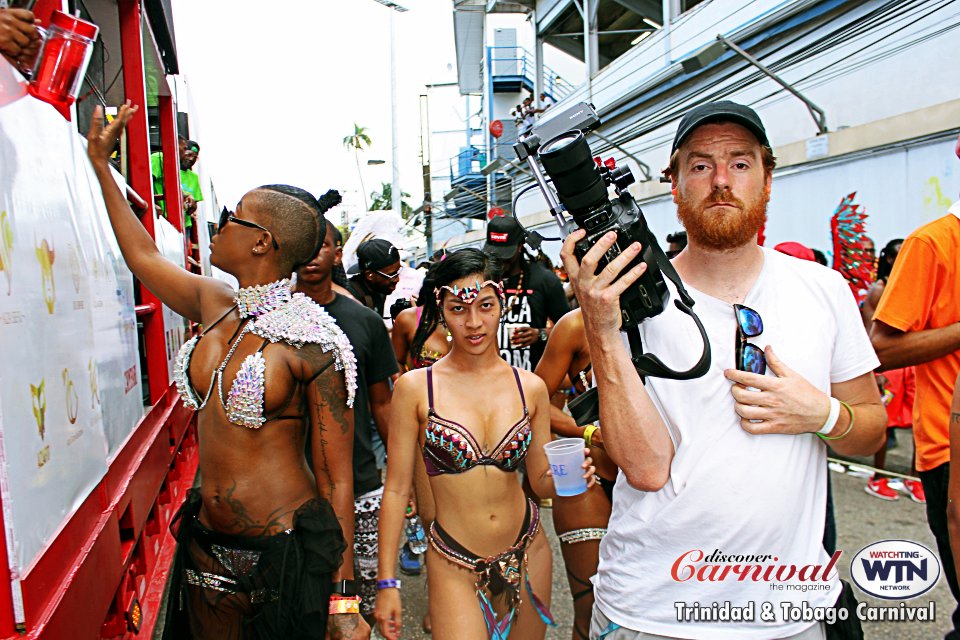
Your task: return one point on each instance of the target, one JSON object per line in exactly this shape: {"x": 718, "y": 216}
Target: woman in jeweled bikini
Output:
{"x": 259, "y": 544}
{"x": 473, "y": 418}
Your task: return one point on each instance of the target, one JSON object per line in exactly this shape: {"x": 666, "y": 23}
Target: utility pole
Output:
{"x": 395, "y": 156}
{"x": 395, "y": 190}
{"x": 425, "y": 158}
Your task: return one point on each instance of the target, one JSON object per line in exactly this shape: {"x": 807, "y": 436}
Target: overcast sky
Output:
{"x": 274, "y": 88}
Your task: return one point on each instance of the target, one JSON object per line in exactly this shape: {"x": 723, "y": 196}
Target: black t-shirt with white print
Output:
{"x": 540, "y": 299}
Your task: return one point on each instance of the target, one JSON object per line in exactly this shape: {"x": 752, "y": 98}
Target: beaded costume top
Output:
{"x": 451, "y": 448}
{"x": 275, "y": 314}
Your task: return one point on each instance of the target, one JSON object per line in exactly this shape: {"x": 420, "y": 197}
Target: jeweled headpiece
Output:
{"x": 469, "y": 294}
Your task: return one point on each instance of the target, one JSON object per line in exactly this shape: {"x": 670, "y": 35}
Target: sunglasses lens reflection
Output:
{"x": 749, "y": 320}
{"x": 752, "y": 360}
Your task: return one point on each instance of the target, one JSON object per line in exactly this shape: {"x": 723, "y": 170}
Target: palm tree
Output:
{"x": 384, "y": 200}
{"x": 357, "y": 142}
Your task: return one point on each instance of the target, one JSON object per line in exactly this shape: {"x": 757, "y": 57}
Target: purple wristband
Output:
{"x": 389, "y": 583}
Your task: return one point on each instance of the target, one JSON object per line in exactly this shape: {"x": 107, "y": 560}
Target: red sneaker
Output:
{"x": 880, "y": 487}
{"x": 914, "y": 489}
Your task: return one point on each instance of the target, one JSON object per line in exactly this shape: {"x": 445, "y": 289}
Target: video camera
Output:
{"x": 582, "y": 183}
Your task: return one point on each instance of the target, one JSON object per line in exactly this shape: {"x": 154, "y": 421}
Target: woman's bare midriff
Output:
{"x": 489, "y": 520}
{"x": 252, "y": 480}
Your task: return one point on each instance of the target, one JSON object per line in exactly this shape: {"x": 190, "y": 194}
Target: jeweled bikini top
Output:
{"x": 277, "y": 315}
{"x": 451, "y": 448}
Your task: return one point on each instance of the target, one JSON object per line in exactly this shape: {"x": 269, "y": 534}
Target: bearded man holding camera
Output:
{"x": 732, "y": 463}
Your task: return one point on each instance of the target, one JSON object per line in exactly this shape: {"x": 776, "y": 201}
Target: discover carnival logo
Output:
{"x": 717, "y": 566}
{"x": 895, "y": 569}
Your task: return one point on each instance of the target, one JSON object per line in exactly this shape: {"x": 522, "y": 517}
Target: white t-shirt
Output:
{"x": 730, "y": 491}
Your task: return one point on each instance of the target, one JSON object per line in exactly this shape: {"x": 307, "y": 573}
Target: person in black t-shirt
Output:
{"x": 375, "y": 366}
{"x": 376, "y": 273}
{"x": 534, "y": 295}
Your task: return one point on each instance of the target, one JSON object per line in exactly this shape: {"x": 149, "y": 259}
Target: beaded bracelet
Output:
{"x": 389, "y": 583}
{"x": 588, "y": 433}
{"x": 849, "y": 428}
{"x": 349, "y": 605}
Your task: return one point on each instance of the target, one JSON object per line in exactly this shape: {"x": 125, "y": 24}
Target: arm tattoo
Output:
{"x": 322, "y": 465}
{"x": 955, "y": 418}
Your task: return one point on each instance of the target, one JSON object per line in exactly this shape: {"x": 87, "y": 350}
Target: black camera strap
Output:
{"x": 585, "y": 408}
{"x": 647, "y": 364}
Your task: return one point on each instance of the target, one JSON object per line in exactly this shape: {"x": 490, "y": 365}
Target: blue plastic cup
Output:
{"x": 566, "y": 457}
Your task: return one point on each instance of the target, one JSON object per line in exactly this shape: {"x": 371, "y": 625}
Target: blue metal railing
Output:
{"x": 518, "y": 63}
{"x": 469, "y": 161}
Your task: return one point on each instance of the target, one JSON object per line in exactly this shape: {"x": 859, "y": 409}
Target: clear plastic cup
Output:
{"x": 566, "y": 457}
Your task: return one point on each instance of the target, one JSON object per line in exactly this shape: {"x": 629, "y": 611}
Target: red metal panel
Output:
{"x": 117, "y": 545}
{"x": 7, "y": 622}
{"x": 173, "y": 198}
{"x": 138, "y": 152}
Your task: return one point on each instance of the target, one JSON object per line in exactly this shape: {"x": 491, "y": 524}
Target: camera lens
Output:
{"x": 569, "y": 163}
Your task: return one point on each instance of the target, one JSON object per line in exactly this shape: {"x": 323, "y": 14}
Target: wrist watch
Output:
{"x": 345, "y": 587}
{"x": 544, "y": 335}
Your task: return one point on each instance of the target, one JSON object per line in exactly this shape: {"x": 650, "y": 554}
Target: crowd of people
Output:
{"x": 526, "y": 114}
{"x": 295, "y": 528}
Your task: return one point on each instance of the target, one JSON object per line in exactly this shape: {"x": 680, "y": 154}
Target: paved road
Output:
{"x": 861, "y": 519}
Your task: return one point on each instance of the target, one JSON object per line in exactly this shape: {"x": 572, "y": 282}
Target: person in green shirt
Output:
{"x": 189, "y": 180}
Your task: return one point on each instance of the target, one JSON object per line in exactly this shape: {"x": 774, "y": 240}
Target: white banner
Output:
{"x": 69, "y": 379}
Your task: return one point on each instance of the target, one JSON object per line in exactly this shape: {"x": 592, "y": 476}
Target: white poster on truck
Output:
{"x": 69, "y": 373}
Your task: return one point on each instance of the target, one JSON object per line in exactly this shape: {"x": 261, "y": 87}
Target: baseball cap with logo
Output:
{"x": 375, "y": 254}
{"x": 723, "y": 111}
{"x": 504, "y": 235}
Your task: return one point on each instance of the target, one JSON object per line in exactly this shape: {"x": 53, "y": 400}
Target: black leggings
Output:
{"x": 936, "y": 484}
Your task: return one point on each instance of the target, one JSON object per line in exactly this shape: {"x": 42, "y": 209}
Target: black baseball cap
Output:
{"x": 723, "y": 111}
{"x": 504, "y": 235}
{"x": 375, "y": 254}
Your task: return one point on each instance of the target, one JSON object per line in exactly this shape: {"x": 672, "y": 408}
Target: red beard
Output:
{"x": 722, "y": 230}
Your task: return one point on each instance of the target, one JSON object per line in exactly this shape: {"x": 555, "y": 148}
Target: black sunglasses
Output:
{"x": 227, "y": 216}
{"x": 749, "y": 325}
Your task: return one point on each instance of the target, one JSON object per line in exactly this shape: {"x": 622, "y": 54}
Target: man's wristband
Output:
{"x": 340, "y": 605}
{"x": 849, "y": 428}
{"x": 588, "y": 432}
{"x": 345, "y": 587}
{"x": 389, "y": 583}
{"x": 832, "y": 417}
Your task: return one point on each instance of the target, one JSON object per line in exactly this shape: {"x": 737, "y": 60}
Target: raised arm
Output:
{"x": 179, "y": 289}
{"x": 635, "y": 435}
{"x": 405, "y": 420}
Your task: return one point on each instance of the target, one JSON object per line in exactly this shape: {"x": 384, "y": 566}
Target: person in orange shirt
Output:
{"x": 897, "y": 387}
{"x": 918, "y": 323}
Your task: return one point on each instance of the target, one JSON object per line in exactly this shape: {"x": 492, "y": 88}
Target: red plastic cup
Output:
{"x": 63, "y": 59}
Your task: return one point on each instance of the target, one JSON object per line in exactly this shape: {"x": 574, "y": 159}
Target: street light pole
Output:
{"x": 395, "y": 157}
{"x": 395, "y": 183}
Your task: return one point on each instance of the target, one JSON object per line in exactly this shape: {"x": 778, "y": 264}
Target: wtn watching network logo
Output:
{"x": 895, "y": 569}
